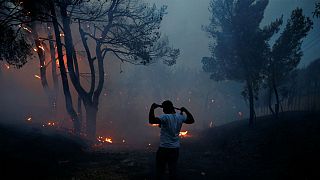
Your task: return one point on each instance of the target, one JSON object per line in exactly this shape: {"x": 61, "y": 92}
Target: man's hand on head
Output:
{"x": 183, "y": 109}
{"x": 154, "y": 106}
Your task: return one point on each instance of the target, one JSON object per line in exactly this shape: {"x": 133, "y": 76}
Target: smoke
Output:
{"x": 130, "y": 90}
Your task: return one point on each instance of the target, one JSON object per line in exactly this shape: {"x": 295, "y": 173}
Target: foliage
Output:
{"x": 239, "y": 46}
{"x": 128, "y": 29}
{"x": 286, "y": 52}
{"x": 14, "y": 48}
{"x": 316, "y": 12}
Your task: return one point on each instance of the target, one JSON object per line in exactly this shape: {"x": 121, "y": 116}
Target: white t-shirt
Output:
{"x": 170, "y": 129}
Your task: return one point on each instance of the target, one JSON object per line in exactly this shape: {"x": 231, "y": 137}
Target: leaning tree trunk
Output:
{"x": 64, "y": 78}
{"x": 251, "y": 102}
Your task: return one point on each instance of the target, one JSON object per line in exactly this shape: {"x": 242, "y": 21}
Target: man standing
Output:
{"x": 170, "y": 123}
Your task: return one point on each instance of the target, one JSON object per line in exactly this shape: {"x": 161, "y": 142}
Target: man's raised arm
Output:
{"x": 152, "y": 117}
{"x": 190, "y": 119}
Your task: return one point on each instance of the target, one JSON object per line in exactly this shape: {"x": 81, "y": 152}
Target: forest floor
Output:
{"x": 284, "y": 148}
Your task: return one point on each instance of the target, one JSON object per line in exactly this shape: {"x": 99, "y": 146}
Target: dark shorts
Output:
{"x": 167, "y": 156}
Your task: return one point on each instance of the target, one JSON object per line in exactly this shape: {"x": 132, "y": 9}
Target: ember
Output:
{"x": 7, "y": 66}
{"x": 41, "y": 47}
{"x": 25, "y": 28}
{"x": 37, "y": 76}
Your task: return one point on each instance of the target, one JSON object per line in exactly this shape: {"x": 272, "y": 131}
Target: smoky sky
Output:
{"x": 130, "y": 90}
{"x": 185, "y": 18}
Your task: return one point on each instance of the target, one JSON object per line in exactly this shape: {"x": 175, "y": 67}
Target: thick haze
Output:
{"x": 130, "y": 90}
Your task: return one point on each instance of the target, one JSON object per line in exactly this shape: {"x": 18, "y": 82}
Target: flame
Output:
{"x": 29, "y": 119}
{"x": 104, "y": 139}
{"x": 37, "y": 76}
{"x": 183, "y": 133}
{"x": 35, "y": 49}
{"x": 109, "y": 140}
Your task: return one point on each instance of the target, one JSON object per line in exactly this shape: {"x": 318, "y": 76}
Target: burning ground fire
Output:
{"x": 184, "y": 134}
{"x": 104, "y": 139}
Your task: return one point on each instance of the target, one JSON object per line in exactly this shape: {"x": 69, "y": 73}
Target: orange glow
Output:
{"x": 109, "y": 140}
{"x": 184, "y": 134}
{"x": 29, "y": 119}
{"x": 37, "y": 76}
{"x": 61, "y": 35}
{"x": 104, "y": 139}
{"x": 154, "y": 125}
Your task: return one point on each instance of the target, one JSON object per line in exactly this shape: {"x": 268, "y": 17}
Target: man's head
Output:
{"x": 168, "y": 107}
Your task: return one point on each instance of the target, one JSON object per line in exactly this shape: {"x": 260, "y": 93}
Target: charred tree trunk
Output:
{"x": 42, "y": 61}
{"x": 270, "y": 101}
{"x": 91, "y": 117}
{"x": 86, "y": 98}
{"x": 54, "y": 74}
{"x": 64, "y": 78}
{"x": 79, "y": 106}
{"x": 251, "y": 102}
{"x": 275, "y": 90}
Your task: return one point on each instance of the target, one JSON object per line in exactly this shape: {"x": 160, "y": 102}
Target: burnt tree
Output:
{"x": 127, "y": 29}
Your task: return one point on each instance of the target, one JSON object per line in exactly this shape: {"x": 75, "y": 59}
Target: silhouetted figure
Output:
{"x": 170, "y": 123}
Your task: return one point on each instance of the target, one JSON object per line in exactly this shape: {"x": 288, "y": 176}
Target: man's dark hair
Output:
{"x": 168, "y": 107}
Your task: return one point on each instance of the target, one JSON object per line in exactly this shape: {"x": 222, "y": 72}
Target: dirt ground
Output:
{"x": 285, "y": 148}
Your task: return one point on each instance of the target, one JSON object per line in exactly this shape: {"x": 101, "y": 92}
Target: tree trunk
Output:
{"x": 91, "y": 117}
{"x": 270, "y": 101}
{"x": 42, "y": 61}
{"x": 277, "y": 105}
{"x": 0, "y": 72}
{"x": 64, "y": 78}
{"x": 54, "y": 74}
{"x": 251, "y": 102}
